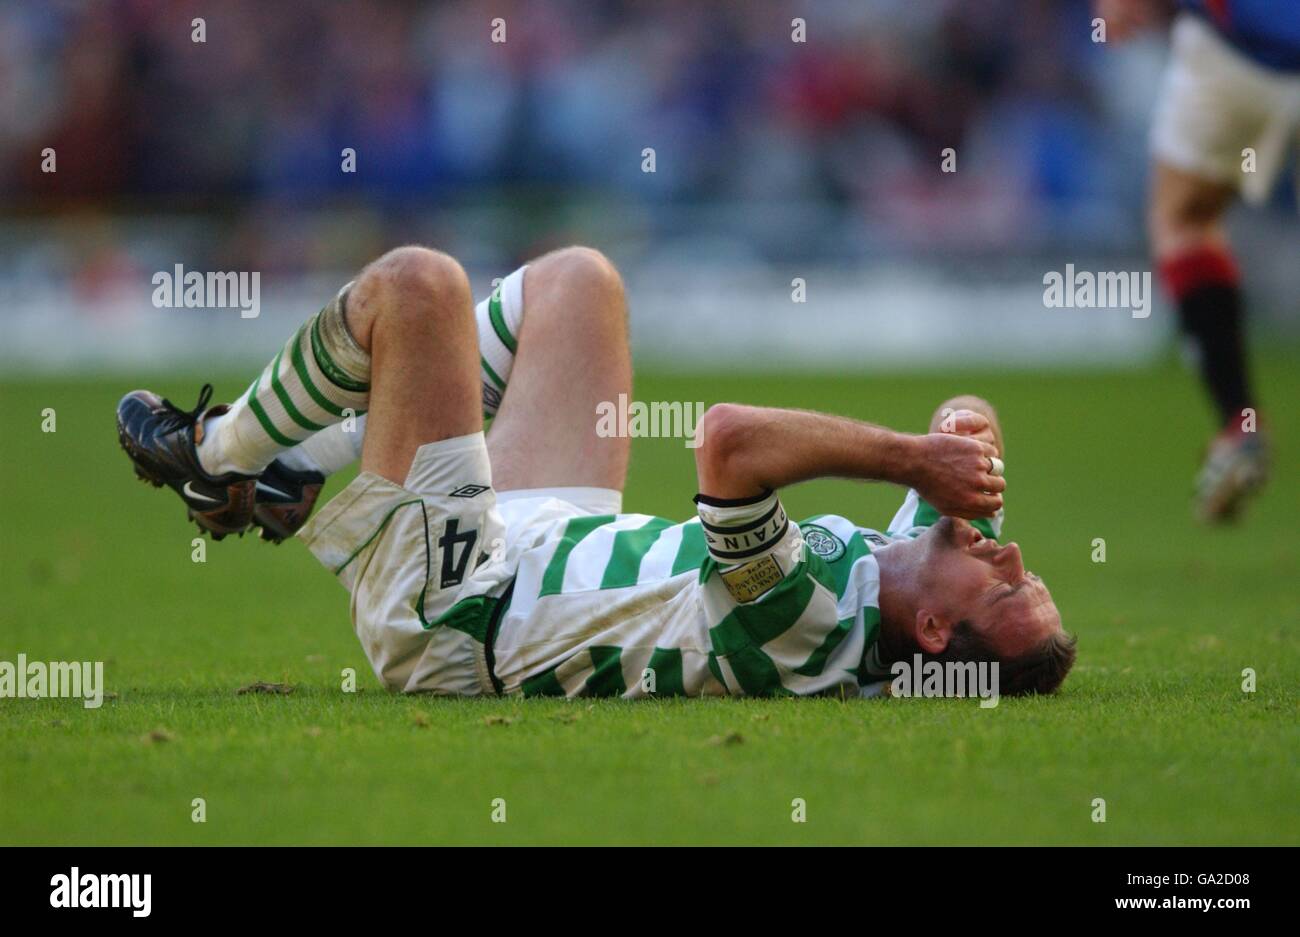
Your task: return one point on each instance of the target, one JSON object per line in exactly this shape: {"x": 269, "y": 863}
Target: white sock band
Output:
{"x": 499, "y": 318}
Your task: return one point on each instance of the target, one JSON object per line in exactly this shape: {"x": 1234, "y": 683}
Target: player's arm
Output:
{"x": 750, "y": 450}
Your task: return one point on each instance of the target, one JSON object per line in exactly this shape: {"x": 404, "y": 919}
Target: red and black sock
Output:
{"x": 1204, "y": 283}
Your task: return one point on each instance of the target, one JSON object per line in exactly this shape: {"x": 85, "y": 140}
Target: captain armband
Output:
{"x": 747, "y": 539}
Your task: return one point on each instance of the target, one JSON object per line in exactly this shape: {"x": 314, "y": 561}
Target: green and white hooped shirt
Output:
{"x": 739, "y": 600}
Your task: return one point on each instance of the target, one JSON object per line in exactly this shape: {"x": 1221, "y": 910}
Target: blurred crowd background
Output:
{"x": 770, "y": 154}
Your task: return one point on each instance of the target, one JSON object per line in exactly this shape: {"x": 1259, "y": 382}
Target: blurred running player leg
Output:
{"x": 1226, "y": 115}
{"x": 572, "y": 355}
{"x": 1200, "y": 273}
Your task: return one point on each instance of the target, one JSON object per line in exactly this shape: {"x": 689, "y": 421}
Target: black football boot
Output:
{"x": 285, "y": 498}
{"x": 161, "y": 438}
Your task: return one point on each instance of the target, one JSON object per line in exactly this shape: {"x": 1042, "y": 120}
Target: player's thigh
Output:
{"x": 1186, "y": 209}
{"x": 573, "y": 355}
{"x": 412, "y": 310}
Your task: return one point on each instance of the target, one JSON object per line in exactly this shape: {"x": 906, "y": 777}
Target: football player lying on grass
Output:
{"x": 504, "y": 564}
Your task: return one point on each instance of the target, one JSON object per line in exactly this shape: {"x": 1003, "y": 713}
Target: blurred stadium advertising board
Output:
{"x": 889, "y": 317}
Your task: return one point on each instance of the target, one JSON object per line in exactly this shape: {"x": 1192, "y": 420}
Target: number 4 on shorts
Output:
{"x": 455, "y": 562}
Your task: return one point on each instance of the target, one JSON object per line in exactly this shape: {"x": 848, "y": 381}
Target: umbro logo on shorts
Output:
{"x": 469, "y": 491}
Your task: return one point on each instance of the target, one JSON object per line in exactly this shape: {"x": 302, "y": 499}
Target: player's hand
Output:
{"x": 952, "y": 474}
{"x": 1124, "y": 18}
{"x": 968, "y": 423}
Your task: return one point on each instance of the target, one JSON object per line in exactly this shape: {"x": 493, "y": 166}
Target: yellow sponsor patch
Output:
{"x": 748, "y": 582}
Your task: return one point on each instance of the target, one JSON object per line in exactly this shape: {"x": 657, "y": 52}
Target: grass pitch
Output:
{"x": 95, "y": 566}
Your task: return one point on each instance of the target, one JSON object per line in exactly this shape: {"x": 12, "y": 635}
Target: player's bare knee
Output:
{"x": 421, "y": 275}
{"x": 588, "y": 268}
{"x": 407, "y": 282}
{"x": 584, "y": 272}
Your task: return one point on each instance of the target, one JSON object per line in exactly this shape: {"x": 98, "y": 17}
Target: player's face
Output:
{"x": 986, "y": 582}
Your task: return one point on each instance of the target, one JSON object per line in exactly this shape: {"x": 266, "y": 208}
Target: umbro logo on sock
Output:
{"x": 469, "y": 491}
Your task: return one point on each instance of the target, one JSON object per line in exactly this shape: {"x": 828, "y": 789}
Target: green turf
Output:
{"x": 95, "y": 566}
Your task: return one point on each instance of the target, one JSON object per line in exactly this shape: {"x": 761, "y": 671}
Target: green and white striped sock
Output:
{"x": 320, "y": 378}
{"x": 499, "y": 318}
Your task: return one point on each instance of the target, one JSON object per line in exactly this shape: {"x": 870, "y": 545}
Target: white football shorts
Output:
{"x": 1215, "y": 103}
{"x": 426, "y": 561}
